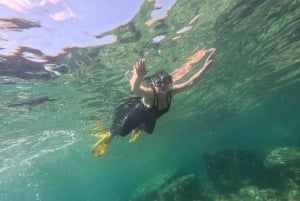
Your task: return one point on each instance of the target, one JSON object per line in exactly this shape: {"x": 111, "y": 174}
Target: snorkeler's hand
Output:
{"x": 140, "y": 67}
{"x": 210, "y": 58}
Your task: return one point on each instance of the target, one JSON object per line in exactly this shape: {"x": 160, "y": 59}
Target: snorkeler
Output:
{"x": 153, "y": 100}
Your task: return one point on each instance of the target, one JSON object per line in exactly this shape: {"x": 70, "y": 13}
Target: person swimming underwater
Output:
{"x": 153, "y": 100}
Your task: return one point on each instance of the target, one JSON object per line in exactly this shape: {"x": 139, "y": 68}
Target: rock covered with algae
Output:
{"x": 172, "y": 185}
{"x": 231, "y": 169}
{"x": 284, "y": 156}
{"x": 287, "y": 161}
{"x": 280, "y": 183}
{"x": 149, "y": 189}
{"x": 182, "y": 188}
{"x": 253, "y": 193}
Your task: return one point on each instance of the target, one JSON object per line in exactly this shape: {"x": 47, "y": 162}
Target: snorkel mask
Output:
{"x": 161, "y": 80}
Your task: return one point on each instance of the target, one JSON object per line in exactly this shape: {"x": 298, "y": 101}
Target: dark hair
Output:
{"x": 156, "y": 76}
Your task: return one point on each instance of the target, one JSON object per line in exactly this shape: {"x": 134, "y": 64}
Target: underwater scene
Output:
{"x": 232, "y": 136}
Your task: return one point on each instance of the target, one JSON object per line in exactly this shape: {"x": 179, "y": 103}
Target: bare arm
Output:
{"x": 138, "y": 72}
{"x": 179, "y": 72}
{"x": 180, "y": 87}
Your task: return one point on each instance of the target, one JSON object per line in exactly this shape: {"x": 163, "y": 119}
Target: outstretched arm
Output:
{"x": 138, "y": 72}
{"x": 181, "y": 71}
{"x": 180, "y": 87}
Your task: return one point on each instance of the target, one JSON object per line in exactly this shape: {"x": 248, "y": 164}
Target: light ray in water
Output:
{"x": 20, "y": 152}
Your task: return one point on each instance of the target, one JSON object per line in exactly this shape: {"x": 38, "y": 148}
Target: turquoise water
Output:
{"x": 249, "y": 99}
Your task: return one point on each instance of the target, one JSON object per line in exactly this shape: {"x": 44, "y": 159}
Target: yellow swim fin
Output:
{"x": 98, "y": 129}
{"x": 100, "y": 148}
{"x": 134, "y": 135}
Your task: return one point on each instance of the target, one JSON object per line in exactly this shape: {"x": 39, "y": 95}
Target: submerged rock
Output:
{"x": 173, "y": 185}
{"x": 149, "y": 190}
{"x": 183, "y": 188}
{"x": 286, "y": 160}
{"x": 284, "y": 156}
{"x": 253, "y": 193}
{"x": 250, "y": 193}
{"x": 240, "y": 175}
{"x": 231, "y": 169}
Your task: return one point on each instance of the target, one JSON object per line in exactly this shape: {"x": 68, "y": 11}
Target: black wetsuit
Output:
{"x": 133, "y": 114}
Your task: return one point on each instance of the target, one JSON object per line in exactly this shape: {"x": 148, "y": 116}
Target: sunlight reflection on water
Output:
{"x": 23, "y": 151}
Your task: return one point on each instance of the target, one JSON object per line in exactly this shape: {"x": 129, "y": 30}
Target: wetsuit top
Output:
{"x": 154, "y": 109}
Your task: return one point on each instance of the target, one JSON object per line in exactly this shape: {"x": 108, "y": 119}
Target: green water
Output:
{"x": 248, "y": 99}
